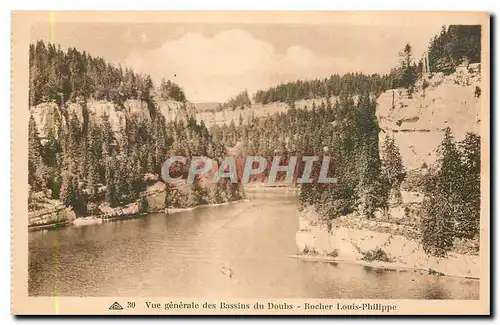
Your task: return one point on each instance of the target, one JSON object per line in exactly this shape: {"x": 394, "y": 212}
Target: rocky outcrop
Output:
{"x": 155, "y": 196}
{"x": 344, "y": 241}
{"x": 49, "y": 115}
{"x": 48, "y": 212}
{"x": 417, "y": 122}
{"x": 256, "y": 110}
{"x": 111, "y": 213}
{"x": 53, "y": 212}
{"x": 173, "y": 110}
{"x": 228, "y": 116}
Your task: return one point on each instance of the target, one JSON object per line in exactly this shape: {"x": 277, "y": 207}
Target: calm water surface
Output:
{"x": 181, "y": 255}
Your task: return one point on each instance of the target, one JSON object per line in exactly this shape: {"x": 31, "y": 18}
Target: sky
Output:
{"x": 213, "y": 62}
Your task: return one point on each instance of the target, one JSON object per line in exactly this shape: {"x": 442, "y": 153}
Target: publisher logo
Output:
{"x": 115, "y": 306}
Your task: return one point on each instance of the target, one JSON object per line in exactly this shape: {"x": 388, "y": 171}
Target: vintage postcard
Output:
{"x": 255, "y": 163}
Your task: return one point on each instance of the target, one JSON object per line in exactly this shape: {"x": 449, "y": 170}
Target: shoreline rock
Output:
{"x": 53, "y": 213}
{"x": 155, "y": 205}
{"x": 211, "y": 205}
{"x": 353, "y": 244}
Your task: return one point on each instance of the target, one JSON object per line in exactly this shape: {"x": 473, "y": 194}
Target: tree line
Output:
{"x": 404, "y": 75}
{"x": 350, "y": 83}
{"x": 446, "y": 51}
{"x": 453, "y": 45}
{"x": 452, "y": 190}
{"x": 60, "y": 77}
{"x": 241, "y": 101}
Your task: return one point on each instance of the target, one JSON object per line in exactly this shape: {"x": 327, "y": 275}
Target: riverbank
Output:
{"x": 52, "y": 225}
{"x": 267, "y": 186}
{"x": 49, "y": 213}
{"x": 385, "y": 266}
{"x": 375, "y": 243}
{"x": 132, "y": 210}
{"x": 154, "y": 196}
{"x": 211, "y": 205}
{"x": 252, "y": 239}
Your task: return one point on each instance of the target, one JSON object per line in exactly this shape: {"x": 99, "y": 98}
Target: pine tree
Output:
{"x": 437, "y": 225}
{"x": 92, "y": 179}
{"x": 392, "y": 169}
{"x": 470, "y": 188}
{"x": 218, "y": 193}
{"x": 70, "y": 193}
{"x": 111, "y": 194}
{"x": 35, "y": 163}
{"x": 120, "y": 181}
{"x": 443, "y": 202}
{"x": 368, "y": 164}
{"x": 409, "y": 70}
{"x": 450, "y": 174}
{"x": 109, "y": 175}
{"x": 197, "y": 195}
{"x": 453, "y": 45}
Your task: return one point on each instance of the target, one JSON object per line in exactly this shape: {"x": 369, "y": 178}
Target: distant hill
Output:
{"x": 208, "y": 106}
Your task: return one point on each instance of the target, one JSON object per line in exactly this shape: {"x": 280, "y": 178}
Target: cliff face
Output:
{"x": 43, "y": 211}
{"x": 351, "y": 238}
{"x": 47, "y": 115}
{"x": 416, "y": 122}
{"x": 255, "y": 110}
{"x": 439, "y": 101}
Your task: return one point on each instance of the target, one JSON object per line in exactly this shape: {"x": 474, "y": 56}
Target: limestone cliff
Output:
{"x": 352, "y": 237}
{"x": 418, "y": 121}
{"x": 43, "y": 211}
{"x": 48, "y": 115}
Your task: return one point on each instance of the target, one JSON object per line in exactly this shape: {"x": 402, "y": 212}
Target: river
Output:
{"x": 181, "y": 255}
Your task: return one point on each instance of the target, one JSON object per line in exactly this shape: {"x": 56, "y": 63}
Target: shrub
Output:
{"x": 174, "y": 198}
{"x": 310, "y": 251}
{"x": 198, "y": 195}
{"x": 334, "y": 253}
{"x": 377, "y": 254}
{"x": 425, "y": 84}
{"x": 477, "y": 92}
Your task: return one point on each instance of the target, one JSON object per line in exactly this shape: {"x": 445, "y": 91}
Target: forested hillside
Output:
{"x": 351, "y": 83}
{"x": 347, "y": 131}
{"x": 454, "y": 45}
{"x": 358, "y": 120}
{"x": 82, "y": 159}
{"x": 63, "y": 77}
{"x": 447, "y": 50}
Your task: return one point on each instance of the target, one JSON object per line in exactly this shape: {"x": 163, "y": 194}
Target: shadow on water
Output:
{"x": 379, "y": 269}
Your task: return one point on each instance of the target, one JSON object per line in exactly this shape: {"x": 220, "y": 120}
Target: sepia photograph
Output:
{"x": 265, "y": 162}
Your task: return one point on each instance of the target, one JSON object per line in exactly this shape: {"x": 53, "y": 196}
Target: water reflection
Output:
{"x": 181, "y": 255}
